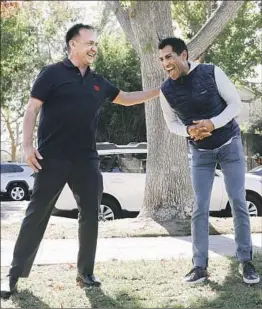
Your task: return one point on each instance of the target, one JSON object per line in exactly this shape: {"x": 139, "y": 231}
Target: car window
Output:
{"x": 11, "y": 168}
{"x": 7, "y": 168}
{"x": 256, "y": 172}
{"x": 109, "y": 163}
{"x": 3, "y": 168}
{"x": 256, "y": 169}
{"x": 132, "y": 162}
{"x": 18, "y": 169}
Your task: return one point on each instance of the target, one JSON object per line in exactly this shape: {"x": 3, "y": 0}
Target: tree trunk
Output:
{"x": 168, "y": 192}
{"x": 13, "y": 153}
{"x": 10, "y": 133}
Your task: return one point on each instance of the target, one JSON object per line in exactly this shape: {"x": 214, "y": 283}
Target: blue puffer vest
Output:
{"x": 194, "y": 97}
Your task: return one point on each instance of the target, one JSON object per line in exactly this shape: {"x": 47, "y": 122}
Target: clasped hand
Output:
{"x": 200, "y": 129}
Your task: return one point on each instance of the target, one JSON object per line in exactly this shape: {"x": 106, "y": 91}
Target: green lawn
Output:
{"x": 144, "y": 284}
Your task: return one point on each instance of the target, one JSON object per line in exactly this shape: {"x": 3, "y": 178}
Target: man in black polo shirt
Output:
{"x": 70, "y": 96}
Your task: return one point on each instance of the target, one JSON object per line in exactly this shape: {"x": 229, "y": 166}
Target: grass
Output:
{"x": 146, "y": 227}
{"x": 60, "y": 228}
{"x": 143, "y": 284}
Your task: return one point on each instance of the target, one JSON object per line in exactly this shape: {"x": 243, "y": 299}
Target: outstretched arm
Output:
{"x": 136, "y": 97}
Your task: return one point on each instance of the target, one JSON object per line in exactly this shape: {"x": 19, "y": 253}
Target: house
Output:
{"x": 250, "y": 113}
{"x": 252, "y": 106}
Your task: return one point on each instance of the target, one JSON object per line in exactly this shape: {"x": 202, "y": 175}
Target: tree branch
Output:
{"x": 124, "y": 20}
{"x": 104, "y": 19}
{"x": 217, "y": 22}
{"x": 3, "y": 115}
{"x": 208, "y": 4}
{"x": 8, "y": 126}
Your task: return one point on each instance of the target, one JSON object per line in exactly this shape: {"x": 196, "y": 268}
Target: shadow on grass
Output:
{"x": 98, "y": 299}
{"x": 176, "y": 227}
{"x": 26, "y": 299}
{"x": 233, "y": 292}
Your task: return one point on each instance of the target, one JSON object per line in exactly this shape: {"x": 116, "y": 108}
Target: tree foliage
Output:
{"x": 237, "y": 49}
{"x": 18, "y": 44}
{"x": 31, "y": 37}
{"x": 118, "y": 62}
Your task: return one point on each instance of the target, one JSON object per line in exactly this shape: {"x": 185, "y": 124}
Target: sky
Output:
{"x": 92, "y": 8}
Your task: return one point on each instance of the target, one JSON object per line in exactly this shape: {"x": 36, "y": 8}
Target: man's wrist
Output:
{"x": 27, "y": 145}
{"x": 212, "y": 120}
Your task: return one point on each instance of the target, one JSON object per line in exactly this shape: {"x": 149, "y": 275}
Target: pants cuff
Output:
{"x": 200, "y": 262}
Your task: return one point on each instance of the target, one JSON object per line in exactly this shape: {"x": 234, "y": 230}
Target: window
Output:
{"x": 7, "y": 168}
{"x": 4, "y": 168}
{"x": 109, "y": 163}
{"x": 132, "y": 162}
{"x": 18, "y": 169}
{"x": 123, "y": 163}
{"x": 11, "y": 168}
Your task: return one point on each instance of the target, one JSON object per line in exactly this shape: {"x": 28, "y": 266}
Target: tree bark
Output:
{"x": 11, "y": 135}
{"x": 168, "y": 192}
{"x": 122, "y": 16}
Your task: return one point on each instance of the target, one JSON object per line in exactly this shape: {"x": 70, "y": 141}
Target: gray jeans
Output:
{"x": 203, "y": 165}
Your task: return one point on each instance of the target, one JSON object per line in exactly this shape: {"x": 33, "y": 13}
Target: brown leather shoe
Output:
{"x": 9, "y": 286}
{"x": 87, "y": 281}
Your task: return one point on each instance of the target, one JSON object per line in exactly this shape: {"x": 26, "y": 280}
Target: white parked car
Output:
{"x": 124, "y": 172}
{"x": 256, "y": 171}
{"x": 16, "y": 180}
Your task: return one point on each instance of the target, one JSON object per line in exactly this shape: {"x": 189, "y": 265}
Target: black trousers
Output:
{"x": 85, "y": 180}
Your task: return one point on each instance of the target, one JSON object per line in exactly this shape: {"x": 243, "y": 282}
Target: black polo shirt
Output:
{"x": 70, "y": 112}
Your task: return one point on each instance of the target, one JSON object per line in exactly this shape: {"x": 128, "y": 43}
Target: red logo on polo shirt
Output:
{"x": 97, "y": 88}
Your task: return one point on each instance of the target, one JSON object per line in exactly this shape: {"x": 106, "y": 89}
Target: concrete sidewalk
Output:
{"x": 142, "y": 248}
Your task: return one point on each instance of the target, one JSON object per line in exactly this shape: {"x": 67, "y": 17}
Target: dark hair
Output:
{"x": 177, "y": 45}
{"x": 74, "y": 31}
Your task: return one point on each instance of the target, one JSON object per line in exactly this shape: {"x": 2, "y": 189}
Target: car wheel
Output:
{"x": 254, "y": 206}
{"x": 109, "y": 210}
{"x": 17, "y": 192}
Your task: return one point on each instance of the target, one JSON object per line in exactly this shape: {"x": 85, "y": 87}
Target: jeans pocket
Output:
{"x": 234, "y": 151}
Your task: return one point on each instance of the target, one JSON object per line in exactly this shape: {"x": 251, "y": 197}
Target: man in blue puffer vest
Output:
{"x": 200, "y": 102}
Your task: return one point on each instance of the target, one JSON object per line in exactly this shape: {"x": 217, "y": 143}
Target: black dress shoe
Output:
{"x": 87, "y": 281}
{"x": 9, "y": 286}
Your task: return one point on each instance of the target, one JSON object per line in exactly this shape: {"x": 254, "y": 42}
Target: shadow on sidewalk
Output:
{"x": 178, "y": 227}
